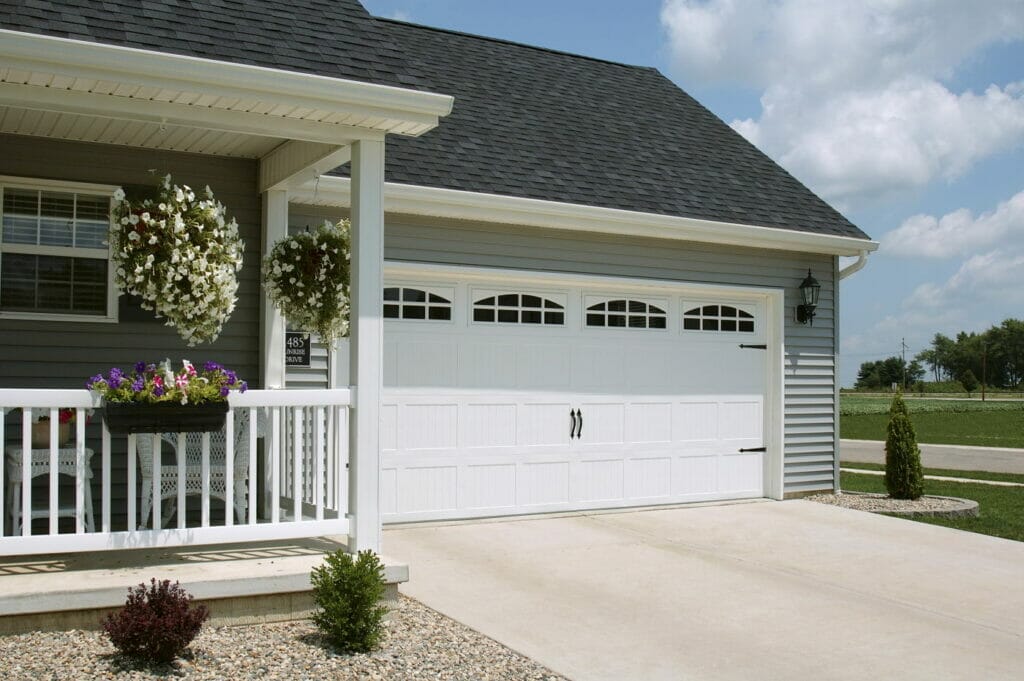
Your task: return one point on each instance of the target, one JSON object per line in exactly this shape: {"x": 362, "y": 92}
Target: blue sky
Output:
{"x": 908, "y": 116}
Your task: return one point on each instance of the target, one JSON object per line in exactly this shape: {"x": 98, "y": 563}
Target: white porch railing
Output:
{"x": 278, "y": 470}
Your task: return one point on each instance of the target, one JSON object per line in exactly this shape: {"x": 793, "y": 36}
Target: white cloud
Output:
{"x": 851, "y": 97}
{"x": 958, "y": 233}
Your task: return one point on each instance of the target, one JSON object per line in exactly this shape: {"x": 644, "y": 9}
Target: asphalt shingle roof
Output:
{"x": 542, "y": 124}
{"x": 527, "y": 121}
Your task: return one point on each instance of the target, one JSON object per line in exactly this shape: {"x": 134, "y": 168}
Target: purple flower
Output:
{"x": 158, "y": 390}
{"x": 232, "y": 376}
{"x": 98, "y": 378}
{"x": 224, "y": 391}
{"x": 138, "y": 384}
{"x": 212, "y": 366}
{"x": 140, "y": 367}
{"x": 245, "y": 386}
{"x": 115, "y": 377}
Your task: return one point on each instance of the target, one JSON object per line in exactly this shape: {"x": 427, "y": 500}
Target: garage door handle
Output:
{"x": 572, "y": 423}
{"x": 579, "y": 428}
{"x": 754, "y": 449}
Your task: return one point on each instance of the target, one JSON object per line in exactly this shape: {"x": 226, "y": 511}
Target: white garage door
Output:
{"x": 509, "y": 396}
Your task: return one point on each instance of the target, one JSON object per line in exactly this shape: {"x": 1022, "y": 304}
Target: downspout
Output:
{"x": 862, "y": 259}
{"x": 852, "y": 268}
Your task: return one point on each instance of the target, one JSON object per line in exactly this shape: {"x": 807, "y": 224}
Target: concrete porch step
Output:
{"x": 239, "y": 583}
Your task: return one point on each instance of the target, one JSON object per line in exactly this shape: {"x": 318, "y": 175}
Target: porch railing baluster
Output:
{"x": 253, "y": 415}
{"x": 54, "y": 471}
{"x": 157, "y": 493}
{"x": 297, "y": 446}
{"x": 26, "y": 472}
{"x": 229, "y": 469}
{"x": 318, "y": 458}
{"x": 206, "y": 480}
{"x": 3, "y": 443}
{"x": 182, "y": 461}
{"x": 105, "y": 453}
{"x": 81, "y": 479}
{"x": 132, "y": 524}
{"x": 275, "y": 465}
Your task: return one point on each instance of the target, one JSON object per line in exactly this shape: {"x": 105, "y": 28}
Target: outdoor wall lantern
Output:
{"x": 809, "y": 290}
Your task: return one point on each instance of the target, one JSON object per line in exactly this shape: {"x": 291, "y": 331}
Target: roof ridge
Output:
{"x": 514, "y": 43}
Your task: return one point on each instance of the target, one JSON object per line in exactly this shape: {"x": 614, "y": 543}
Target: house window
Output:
{"x": 54, "y": 258}
{"x": 718, "y": 318}
{"x": 624, "y": 313}
{"x": 518, "y": 308}
{"x": 406, "y": 302}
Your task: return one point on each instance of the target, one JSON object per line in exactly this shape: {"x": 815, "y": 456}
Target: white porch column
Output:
{"x": 366, "y": 343}
{"x": 275, "y": 227}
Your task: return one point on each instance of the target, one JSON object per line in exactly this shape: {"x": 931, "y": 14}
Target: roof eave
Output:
{"x": 392, "y": 109}
{"x": 494, "y": 208}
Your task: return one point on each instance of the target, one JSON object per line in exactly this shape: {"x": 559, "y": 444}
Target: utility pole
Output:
{"x": 903, "y": 356}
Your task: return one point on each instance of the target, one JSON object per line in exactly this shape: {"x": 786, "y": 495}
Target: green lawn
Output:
{"x": 1001, "y": 508}
{"x": 953, "y": 422}
{"x": 945, "y": 472}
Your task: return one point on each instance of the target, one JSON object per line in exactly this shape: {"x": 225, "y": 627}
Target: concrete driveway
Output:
{"x": 956, "y": 457}
{"x": 763, "y": 590}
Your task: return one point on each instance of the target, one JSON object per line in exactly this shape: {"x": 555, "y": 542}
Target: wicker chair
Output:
{"x": 194, "y": 468}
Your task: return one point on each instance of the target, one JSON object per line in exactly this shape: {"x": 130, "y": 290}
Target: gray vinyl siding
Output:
{"x": 809, "y": 367}
{"x": 63, "y": 354}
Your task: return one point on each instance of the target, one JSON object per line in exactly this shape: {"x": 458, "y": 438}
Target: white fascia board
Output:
{"x": 462, "y": 205}
{"x": 113, "y": 63}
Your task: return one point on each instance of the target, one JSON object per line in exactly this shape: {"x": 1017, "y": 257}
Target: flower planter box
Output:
{"x": 164, "y": 417}
{"x": 41, "y": 434}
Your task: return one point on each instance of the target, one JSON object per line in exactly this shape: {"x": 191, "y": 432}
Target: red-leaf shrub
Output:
{"x": 156, "y": 624}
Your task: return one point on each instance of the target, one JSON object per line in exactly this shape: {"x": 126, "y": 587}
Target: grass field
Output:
{"x": 948, "y": 473}
{"x": 1001, "y": 508}
{"x": 937, "y": 421}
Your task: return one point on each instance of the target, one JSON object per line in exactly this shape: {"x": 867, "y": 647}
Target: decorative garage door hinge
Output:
{"x": 747, "y": 346}
{"x": 754, "y": 449}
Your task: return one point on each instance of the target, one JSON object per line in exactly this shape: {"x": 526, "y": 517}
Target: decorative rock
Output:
{"x": 420, "y": 644}
{"x": 926, "y": 506}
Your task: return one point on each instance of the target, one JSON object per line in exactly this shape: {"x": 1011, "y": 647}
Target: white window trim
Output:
{"x": 63, "y": 251}
{"x": 447, "y": 292}
{"x": 751, "y": 309}
{"x": 598, "y": 298}
{"x": 557, "y": 297}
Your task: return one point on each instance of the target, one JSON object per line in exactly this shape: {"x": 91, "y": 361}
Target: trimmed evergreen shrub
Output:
{"x": 903, "y": 476}
{"x": 969, "y": 381}
{"x": 347, "y": 594}
{"x": 155, "y": 624}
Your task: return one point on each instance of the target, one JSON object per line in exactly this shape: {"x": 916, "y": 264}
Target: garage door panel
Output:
{"x": 427, "y": 488}
{"x": 740, "y": 420}
{"x": 598, "y": 480}
{"x": 597, "y": 368}
{"x": 544, "y": 424}
{"x": 651, "y": 370}
{"x": 488, "y": 486}
{"x": 649, "y": 422}
{"x": 694, "y": 474}
{"x": 695, "y": 421}
{"x": 603, "y": 423}
{"x": 388, "y": 427}
{"x": 542, "y": 366}
{"x": 740, "y": 473}
{"x": 426, "y": 363}
{"x": 427, "y": 426}
{"x": 388, "y": 491}
{"x": 486, "y": 365}
{"x": 542, "y": 484}
{"x": 648, "y": 478}
{"x": 485, "y": 425}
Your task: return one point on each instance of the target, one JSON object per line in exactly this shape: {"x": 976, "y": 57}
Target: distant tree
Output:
{"x": 903, "y": 476}
{"x": 969, "y": 381}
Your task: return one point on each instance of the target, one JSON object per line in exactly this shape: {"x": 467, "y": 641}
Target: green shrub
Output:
{"x": 155, "y": 624}
{"x": 903, "y": 476}
{"x": 969, "y": 381}
{"x": 347, "y": 594}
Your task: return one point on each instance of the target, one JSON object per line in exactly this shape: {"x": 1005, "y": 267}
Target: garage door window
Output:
{"x": 623, "y": 313}
{"x": 402, "y": 302}
{"x": 519, "y": 308}
{"x": 718, "y": 318}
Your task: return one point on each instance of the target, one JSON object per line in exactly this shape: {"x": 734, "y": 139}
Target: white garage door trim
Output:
{"x": 770, "y": 300}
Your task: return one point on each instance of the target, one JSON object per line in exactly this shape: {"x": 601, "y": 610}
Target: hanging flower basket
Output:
{"x": 164, "y": 417}
{"x": 154, "y": 398}
{"x": 181, "y": 256}
{"x": 307, "y": 278}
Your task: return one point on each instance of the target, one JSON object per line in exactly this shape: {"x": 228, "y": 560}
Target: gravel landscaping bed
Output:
{"x": 880, "y": 503}
{"x": 419, "y": 644}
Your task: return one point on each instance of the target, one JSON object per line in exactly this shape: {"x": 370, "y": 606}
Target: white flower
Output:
{"x": 119, "y": 195}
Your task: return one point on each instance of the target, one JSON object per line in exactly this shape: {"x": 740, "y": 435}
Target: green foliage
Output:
{"x": 155, "y": 624}
{"x": 997, "y": 355}
{"x": 882, "y": 374}
{"x": 903, "y": 476}
{"x": 968, "y": 380}
{"x": 347, "y": 594}
{"x": 858, "y": 405}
